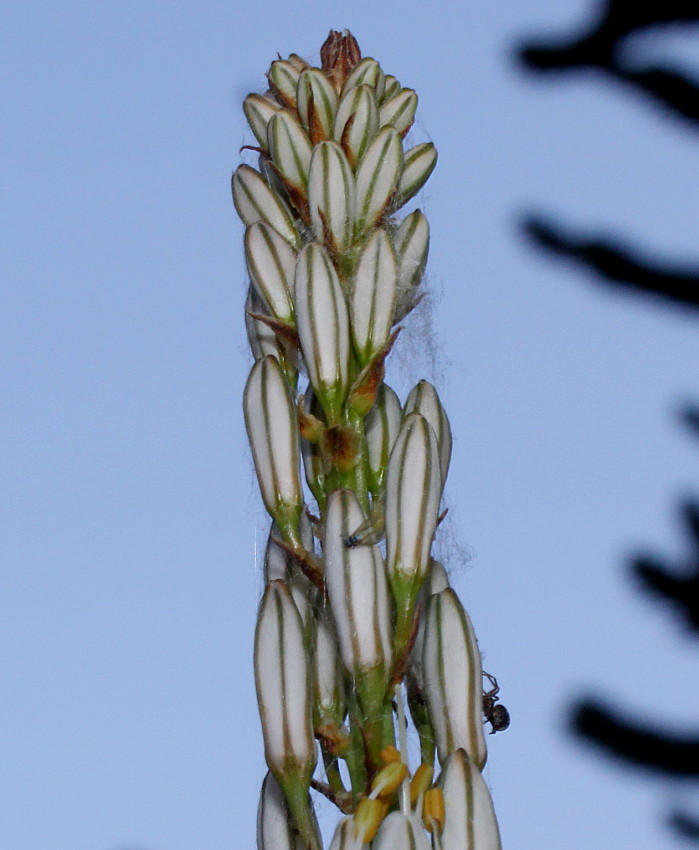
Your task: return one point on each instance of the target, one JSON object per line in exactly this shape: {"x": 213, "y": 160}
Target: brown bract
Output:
{"x": 339, "y": 55}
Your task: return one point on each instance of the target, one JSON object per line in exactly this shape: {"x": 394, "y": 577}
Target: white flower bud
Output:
{"x": 258, "y": 110}
{"x": 436, "y": 581}
{"x": 290, "y": 149}
{"x": 274, "y": 829}
{"x": 322, "y": 321}
{"x": 377, "y": 178}
{"x": 400, "y": 832}
{"x": 357, "y": 589}
{"x": 367, "y": 72}
{"x": 453, "y": 678}
{"x": 283, "y": 682}
{"x": 373, "y": 299}
{"x": 279, "y": 566}
{"x": 270, "y": 419}
{"x": 283, "y": 77}
{"x": 255, "y": 201}
{"x": 271, "y": 262}
{"x": 358, "y": 109}
{"x": 331, "y": 196}
{"x": 399, "y": 111}
{"x": 411, "y": 242}
{"x": 470, "y": 822}
{"x": 419, "y": 164}
{"x": 345, "y": 838}
{"x": 317, "y": 104}
{"x": 423, "y": 398}
{"x": 413, "y": 488}
{"x": 329, "y": 705}
{"x": 262, "y": 339}
{"x": 381, "y": 427}
{"x": 391, "y": 87}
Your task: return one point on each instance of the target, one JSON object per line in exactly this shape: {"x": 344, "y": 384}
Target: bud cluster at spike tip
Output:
{"x": 356, "y": 611}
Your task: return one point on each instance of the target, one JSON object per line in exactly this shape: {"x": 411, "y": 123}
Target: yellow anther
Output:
{"x": 421, "y": 781}
{"x": 367, "y": 819}
{"x": 389, "y": 754}
{"x": 433, "y": 810}
{"x": 388, "y": 779}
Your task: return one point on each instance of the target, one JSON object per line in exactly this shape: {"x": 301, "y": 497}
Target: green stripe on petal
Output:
{"x": 271, "y": 262}
{"x": 399, "y": 111}
{"x": 470, "y": 822}
{"x": 377, "y": 178}
{"x": 356, "y": 122}
{"x": 255, "y": 201}
{"x": 290, "y": 149}
{"x": 373, "y": 299}
{"x": 419, "y": 164}
{"x": 317, "y": 104}
{"x": 258, "y": 110}
{"x": 331, "y": 197}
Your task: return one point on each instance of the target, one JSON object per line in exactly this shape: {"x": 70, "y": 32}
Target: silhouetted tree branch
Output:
{"x": 616, "y": 263}
{"x": 599, "y": 47}
{"x": 689, "y": 417}
{"x": 683, "y": 824}
{"x": 635, "y": 742}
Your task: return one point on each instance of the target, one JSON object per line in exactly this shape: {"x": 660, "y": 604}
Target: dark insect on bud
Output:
{"x": 496, "y": 714}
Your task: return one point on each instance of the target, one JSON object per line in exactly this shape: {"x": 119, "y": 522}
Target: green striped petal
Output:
{"x": 381, "y": 428}
{"x": 271, "y": 262}
{"x": 411, "y": 241}
{"x": 367, "y": 72}
{"x": 391, "y": 87}
{"x": 399, "y": 111}
{"x": 258, "y": 110}
{"x": 317, "y": 104}
{"x": 283, "y": 79}
{"x": 357, "y": 588}
{"x": 424, "y": 399}
{"x": 322, "y": 321}
{"x": 373, "y": 299}
{"x": 470, "y": 822}
{"x": 419, "y": 164}
{"x": 255, "y": 201}
{"x": 270, "y": 419}
{"x": 329, "y": 702}
{"x": 377, "y": 177}
{"x": 453, "y": 677}
{"x": 356, "y": 122}
{"x": 290, "y": 149}
{"x": 331, "y": 196}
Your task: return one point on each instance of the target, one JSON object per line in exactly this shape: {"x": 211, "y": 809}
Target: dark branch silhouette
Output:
{"x": 635, "y": 742}
{"x": 616, "y": 263}
{"x": 689, "y": 416}
{"x": 684, "y": 824}
{"x": 678, "y": 585}
{"x": 599, "y": 47}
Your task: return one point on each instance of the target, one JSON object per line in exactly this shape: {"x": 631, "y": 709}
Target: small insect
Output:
{"x": 496, "y": 714}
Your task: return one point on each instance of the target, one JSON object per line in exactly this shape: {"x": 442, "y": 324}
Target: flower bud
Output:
{"x": 255, "y": 201}
{"x": 419, "y": 164}
{"x": 271, "y": 262}
{"x": 262, "y": 339}
{"x": 381, "y": 426}
{"x": 470, "y": 822}
{"x": 411, "y": 242}
{"x": 290, "y": 149}
{"x": 423, "y": 398}
{"x": 372, "y": 303}
{"x": 399, "y": 111}
{"x": 356, "y": 122}
{"x": 453, "y": 678}
{"x": 331, "y": 196}
{"x": 377, "y": 178}
{"x": 345, "y": 837}
{"x": 283, "y": 77}
{"x": 329, "y": 704}
{"x": 317, "y": 104}
{"x": 399, "y": 831}
{"x": 367, "y": 72}
{"x": 413, "y": 488}
{"x": 258, "y": 110}
{"x": 272, "y": 429}
{"x": 322, "y": 321}
{"x": 357, "y": 589}
{"x": 283, "y": 683}
{"x": 274, "y": 828}
{"x": 391, "y": 87}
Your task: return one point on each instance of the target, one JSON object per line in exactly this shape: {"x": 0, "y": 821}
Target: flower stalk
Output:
{"x": 356, "y": 613}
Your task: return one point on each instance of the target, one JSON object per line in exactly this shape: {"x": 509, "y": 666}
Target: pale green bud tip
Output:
{"x": 470, "y": 818}
{"x": 453, "y": 678}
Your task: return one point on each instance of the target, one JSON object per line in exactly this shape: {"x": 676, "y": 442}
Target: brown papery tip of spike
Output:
{"x": 339, "y": 55}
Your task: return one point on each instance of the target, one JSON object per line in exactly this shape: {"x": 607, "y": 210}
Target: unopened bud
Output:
{"x": 453, "y": 678}
{"x": 316, "y": 103}
{"x": 272, "y": 429}
{"x": 274, "y": 825}
{"x": 411, "y": 241}
{"x": 331, "y": 197}
{"x": 255, "y": 201}
{"x": 470, "y": 822}
{"x": 258, "y": 110}
{"x": 377, "y": 178}
{"x": 423, "y": 398}
{"x": 290, "y": 150}
{"x": 400, "y": 831}
{"x": 382, "y": 426}
{"x": 283, "y": 77}
{"x": 356, "y": 122}
{"x": 367, "y": 72}
{"x": 399, "y": 111}
{"x": 271, "y": 262}
{"x": 373, "y": 299}
{"x": 345, "y": 837}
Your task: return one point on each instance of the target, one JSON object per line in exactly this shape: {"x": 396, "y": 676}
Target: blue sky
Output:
{"x": 130, "y": 522}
